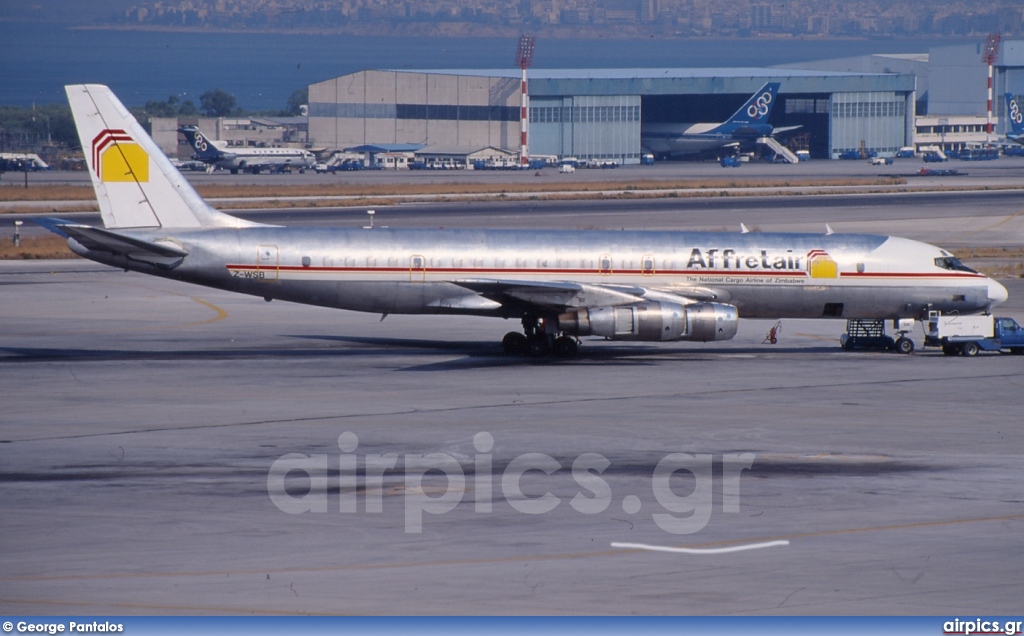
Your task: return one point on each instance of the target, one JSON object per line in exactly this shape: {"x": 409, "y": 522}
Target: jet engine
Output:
{"x": 653, "y": 321}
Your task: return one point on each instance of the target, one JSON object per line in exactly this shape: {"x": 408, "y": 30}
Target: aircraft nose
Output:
{"x": 997, "y": 294}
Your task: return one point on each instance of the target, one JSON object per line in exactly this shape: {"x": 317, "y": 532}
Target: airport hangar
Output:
{"x": 597, "y": 114}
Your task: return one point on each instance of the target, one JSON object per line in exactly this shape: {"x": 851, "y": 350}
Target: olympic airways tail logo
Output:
{"x": 761, "y": 106}
{"x": 1015, "y": 115}
{"x": 200, "y": 142}
{"x": 117, "y": 157}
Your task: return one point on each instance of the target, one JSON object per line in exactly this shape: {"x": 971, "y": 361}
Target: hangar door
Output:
{"x": 878, "y": 120}
{"x": 605, "y": 127}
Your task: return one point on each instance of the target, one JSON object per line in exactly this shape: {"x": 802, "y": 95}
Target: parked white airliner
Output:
{"x": 627, "y": 285}
{"x": 251, "y": 160}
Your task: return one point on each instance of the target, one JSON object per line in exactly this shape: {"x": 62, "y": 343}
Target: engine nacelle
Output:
{"x": 653, "y": 321}
{"x": 711, "y": 321}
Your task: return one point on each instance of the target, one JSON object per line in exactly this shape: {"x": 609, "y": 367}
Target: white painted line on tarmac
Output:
{"x": 726, "y": 550}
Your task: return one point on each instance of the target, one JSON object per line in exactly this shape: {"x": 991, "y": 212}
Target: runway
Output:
{"x": 950, "y": 219}
{"x": 148, "y": 429}
{"x": 1005, "y": 172}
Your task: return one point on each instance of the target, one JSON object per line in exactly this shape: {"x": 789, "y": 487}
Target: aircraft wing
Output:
{"x": 567, "y": 294}
{"x": 161, "y": 254}
{"x": 784, "y": 129}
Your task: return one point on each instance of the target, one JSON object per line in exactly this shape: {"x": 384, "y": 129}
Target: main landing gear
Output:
{"x": 539, "y": 339}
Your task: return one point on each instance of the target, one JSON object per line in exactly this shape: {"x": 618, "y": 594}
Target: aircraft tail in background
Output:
{"x": 1015, "y": 118}
{"x": 757, "y": 109}
{"x": 204, "y": 148}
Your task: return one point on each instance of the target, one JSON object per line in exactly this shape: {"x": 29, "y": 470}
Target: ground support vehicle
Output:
{"x": 969, "y": 335}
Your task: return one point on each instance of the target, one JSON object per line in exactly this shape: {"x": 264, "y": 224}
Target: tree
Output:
{"x": 295, "y": 103}
{"x": 172, "y": 107}
{"x": 37, "y": 125}
{"x": 217, "y": 103}
{"x": 162, "y": 109}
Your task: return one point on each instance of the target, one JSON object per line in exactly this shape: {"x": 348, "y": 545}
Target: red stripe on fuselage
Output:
{"x": 622, "y": 272}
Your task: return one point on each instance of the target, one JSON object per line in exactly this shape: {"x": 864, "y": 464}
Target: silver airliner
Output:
{"x": 628, "y": 285}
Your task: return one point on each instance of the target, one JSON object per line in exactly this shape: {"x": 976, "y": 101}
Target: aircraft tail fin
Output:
{"x": 757, "y": 109}
{"x": 1014, "y": 115}
{"x": 204, "y": 149}
{"x": 135, "y": 183}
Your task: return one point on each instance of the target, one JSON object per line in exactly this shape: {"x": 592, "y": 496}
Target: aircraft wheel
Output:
{"x": 537, "y": 346}
{"x": 970, "y": 349}
{"x": 904, "y": 345}
{"x": 514, "y": 344}
{"x": 565, "y": 347}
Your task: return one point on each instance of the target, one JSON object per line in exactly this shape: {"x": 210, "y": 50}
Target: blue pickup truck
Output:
{"x": 968, "y": 335}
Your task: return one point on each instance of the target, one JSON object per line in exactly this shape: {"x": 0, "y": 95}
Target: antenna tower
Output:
{"x": 988, "y": 56}
{"x": 524, "y": 59}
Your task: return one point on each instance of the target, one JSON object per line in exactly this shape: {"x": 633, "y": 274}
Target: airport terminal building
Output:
{"x": 598, "y": 113}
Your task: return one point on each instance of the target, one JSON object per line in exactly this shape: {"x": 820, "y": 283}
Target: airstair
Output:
{"x": 780, "y": 151}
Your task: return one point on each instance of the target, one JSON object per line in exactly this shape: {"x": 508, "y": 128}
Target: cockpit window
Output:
{"x": 952, "y": 263}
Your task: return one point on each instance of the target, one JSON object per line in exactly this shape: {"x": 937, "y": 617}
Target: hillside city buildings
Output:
{"x": 656, "y": 17}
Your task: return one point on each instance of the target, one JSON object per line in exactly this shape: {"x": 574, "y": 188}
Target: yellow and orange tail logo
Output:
{"x": 116, "y": 157}
{"x": 821, "y": 265}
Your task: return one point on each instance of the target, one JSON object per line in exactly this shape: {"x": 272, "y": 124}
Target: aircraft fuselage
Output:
{"x": 431, "y": 271}
{"x": 684, "y": 139}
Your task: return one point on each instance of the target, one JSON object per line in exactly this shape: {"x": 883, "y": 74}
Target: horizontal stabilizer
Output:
{"x": 161, "y": 254}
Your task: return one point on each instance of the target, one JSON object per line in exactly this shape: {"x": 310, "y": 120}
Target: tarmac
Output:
{"x": 159, "y": 443}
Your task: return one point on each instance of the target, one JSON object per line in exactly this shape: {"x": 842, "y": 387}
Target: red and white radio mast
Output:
{"x": 989, "y": 56}
{"x": 524, "y": 58}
